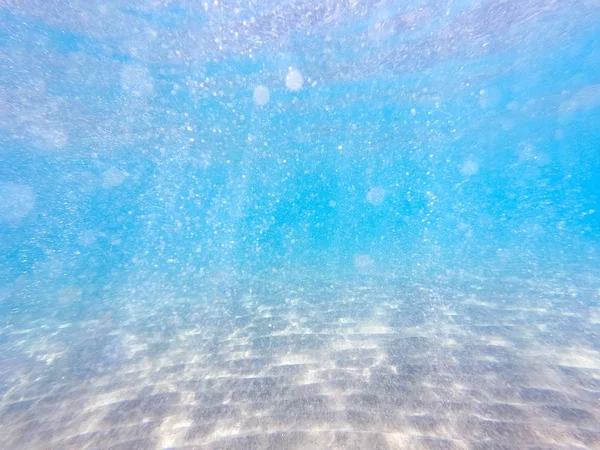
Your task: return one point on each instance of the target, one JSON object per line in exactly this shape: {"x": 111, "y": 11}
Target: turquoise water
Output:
{"x": 299, "y": 224}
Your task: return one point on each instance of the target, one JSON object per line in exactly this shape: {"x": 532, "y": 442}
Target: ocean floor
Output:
{"x": 274, "y": 363}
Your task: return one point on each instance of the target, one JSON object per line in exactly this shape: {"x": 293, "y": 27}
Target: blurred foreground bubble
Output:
{"x": 5, "y": 293}
{"x": 294, "y": 80}
{"x": 375, "y": 196}
{"x": 69, "y": 295}
{"x": 17, "y": 201}
{"x": 48, "y": 135}
{"x": 381, "y": 25}
{"x": 489, "y": 98}
{"x": 363, "y": 263}
{"x": 584, "y": 99}
{"x": 261, "y": 95}
{"x": 87, "y": 238}
{"x": 113, "y": 177}
{"x": 470, "y": 167}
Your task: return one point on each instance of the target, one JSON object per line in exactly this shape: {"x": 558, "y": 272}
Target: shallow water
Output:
{"x": 299, "y": 225}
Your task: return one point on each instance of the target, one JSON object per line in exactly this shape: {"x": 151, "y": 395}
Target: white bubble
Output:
{"x": 137, "y": 81}
{"x": 261, "y": 95}
{"x": 294, "y": 80}
{"x": 413, "y": 112}
{"x": 470, "y": 167}
{"x": 332, "y": 203}
{"x": 375, "y": 196}
{"x": 17, "y": 201}
{"x": 363, "y": 263}
{"x": 113, "y": 177}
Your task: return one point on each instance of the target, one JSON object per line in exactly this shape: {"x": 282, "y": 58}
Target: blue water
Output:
{"x": 243, "y": 171}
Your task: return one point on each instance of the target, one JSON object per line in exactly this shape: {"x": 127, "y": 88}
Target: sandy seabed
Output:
{"x": 312, "y": 364}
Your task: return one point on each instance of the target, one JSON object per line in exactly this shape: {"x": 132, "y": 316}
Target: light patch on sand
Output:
{"x": 297, "y": 358}
{"x": 235, "y": 340}
{"x": 352, "y": 345}
{"x": 448, "y": 342}
{"x": 594, "y": 315}
{"x": 235, "y": 335}
{"x": 145, "y": 365}
{"x": 64, "y": 325}
{"x": 264, "y": 312}
{"x": 374, "y": 329}
{"x": 138, "y": 347}
{"x": 168, "y": 438}
{"x": 26, "y": 331}
{"x": 226, "y": 429}
{"x": 89, "y": 323}
{"x": 198, "y": 358}
{"x": 445, "y": 310}
{"x": 165, "y": 388}
{"x": 292, "y": 302}
{"x": 475, "y": 301}
{"x": 235, "y": 356}
{"x": 110, "y": 398}
{"x": 381, "y": 361}
{"x": 172, "y": 430}
{"x": 187, "y": 397}
{"x": 397, "y": 440}
{"x": 579, "y": 357}
{"x": 313, "y": 376}
{"x": 526, "y": 309}
{"x": 498, "y": 341}
{"x": 287, "y": 332}
{"x": 48, "y": 358}
{"x": 36, "y": 347}
{"x": 292, "y": 316}
{"x": 93, "y": 424}
{"x": 338, "y": 345}
{"x": 192, "y": 332}
{"x": 175, "y": 422}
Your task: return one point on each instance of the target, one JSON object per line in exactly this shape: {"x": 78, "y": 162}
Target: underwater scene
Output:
{"x": 299, "y": 224}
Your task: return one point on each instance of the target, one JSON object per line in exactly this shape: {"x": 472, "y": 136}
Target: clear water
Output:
{"x": 299, "y": 224}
